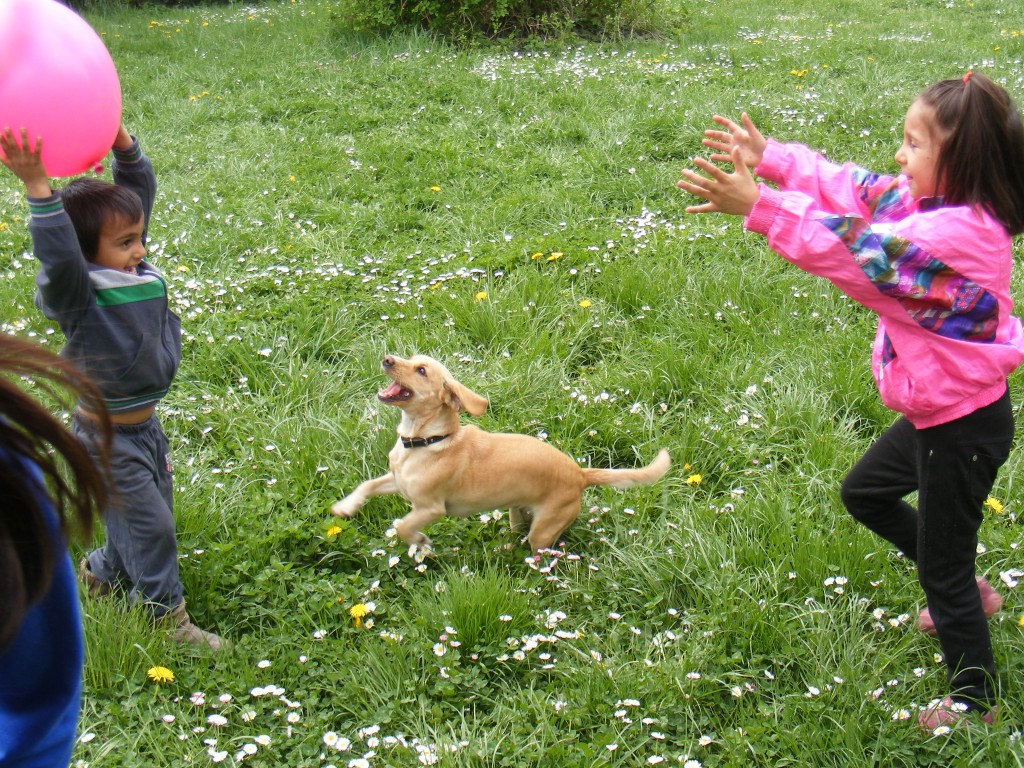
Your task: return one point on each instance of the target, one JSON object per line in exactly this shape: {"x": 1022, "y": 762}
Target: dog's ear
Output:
{"x": 462, "y": 398}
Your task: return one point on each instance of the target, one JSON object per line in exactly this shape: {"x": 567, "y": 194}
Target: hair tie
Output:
{"x": 967, "y": 77}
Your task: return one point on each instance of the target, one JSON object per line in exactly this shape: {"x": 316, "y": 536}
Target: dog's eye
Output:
{"x": 422, "y": 371}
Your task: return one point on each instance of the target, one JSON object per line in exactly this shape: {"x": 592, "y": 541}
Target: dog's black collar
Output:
{"x": 422, "y": 442}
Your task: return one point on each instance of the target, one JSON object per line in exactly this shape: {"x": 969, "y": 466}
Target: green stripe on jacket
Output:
{"x": 128, "y": 294}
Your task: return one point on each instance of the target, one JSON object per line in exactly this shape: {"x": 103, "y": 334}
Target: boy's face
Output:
{"x": 120, "y": 245}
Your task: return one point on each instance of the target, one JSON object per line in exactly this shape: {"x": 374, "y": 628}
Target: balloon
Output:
{"x": 58, "y": 81}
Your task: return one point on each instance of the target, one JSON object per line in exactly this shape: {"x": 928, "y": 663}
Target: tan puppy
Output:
{"x": 443, "y": 467}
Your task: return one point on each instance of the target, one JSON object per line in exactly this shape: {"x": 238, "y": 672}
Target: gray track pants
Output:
{"x": 141, "y": 547}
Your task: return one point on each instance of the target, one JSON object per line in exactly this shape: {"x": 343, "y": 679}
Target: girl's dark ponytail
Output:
{"x": 32, "y": 438}
{"x": 982, "y": 157}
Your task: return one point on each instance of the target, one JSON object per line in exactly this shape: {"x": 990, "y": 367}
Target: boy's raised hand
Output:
{"x": 123, "y": 140}
{"x": 746, "y": 136}
{"x": 24, "y": 158}
{"x": 735, "y": 193}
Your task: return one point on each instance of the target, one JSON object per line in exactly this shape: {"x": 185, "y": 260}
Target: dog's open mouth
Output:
{"x": 393, "y": 393}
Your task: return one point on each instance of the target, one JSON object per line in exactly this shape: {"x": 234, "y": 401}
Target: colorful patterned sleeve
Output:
{"x": 840, "y": 189}
{"x": 933, "y": 295}
{"x": 878, "y": 264}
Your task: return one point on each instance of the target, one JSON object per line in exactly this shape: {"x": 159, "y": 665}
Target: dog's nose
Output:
{"x": 388, "y": 361}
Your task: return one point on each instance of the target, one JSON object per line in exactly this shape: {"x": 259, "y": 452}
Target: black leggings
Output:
{"x": 952, "y": 467}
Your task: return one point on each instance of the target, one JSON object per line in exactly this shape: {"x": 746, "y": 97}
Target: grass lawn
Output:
{"x": 328, "y": 198}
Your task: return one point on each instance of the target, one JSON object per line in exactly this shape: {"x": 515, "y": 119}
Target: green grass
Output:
{"x": 327, "y": 198}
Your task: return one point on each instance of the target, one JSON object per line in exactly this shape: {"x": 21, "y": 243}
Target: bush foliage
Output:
{"x": 468, "y": 20}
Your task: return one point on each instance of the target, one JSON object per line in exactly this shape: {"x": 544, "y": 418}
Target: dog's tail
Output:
{"x": 624, "y": 478}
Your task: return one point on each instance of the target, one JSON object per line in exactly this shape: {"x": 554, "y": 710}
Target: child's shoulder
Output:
{"x": 960, "y": 219}
{"x": 960, "y": 236}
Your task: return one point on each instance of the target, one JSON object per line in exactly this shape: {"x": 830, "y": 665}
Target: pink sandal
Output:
{"x": 949, "y": 712}
{"x": 991, "y": 603}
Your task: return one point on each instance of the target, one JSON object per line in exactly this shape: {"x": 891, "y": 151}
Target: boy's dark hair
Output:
{"x": 91, "y": 203}
{"x": 981, "y": 161}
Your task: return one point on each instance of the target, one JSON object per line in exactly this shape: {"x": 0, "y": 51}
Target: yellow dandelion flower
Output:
{"x": 435, "y": 188}
{"x": 334, "y": 530}
{"x": 994, "y": 504}
{"x": 292, "y": 178}
{"x": 357, "y": 612}
{"x": 4, "y": 226}
{"x": 481, "y": 295}
{"x": 1020, "y": 621}
{"x": 694, "y": 480}
{"x": 555, "y": 256}
{"x": 536, "y": 256}
{"x": 687, "y": 467}
{"x": 585, "y": 303}
{"x": 181, "y": 268}
{"x": 798, "y": 73}
{"x": 160, "y": 675}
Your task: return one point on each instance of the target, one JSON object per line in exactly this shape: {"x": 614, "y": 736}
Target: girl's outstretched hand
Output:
{"x": 734, "y": 193}
{"x": 24, "y": 158}
{"x": 746, "y": 137}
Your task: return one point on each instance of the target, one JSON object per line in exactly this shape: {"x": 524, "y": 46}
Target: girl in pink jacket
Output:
{"x": 929, "y": 252}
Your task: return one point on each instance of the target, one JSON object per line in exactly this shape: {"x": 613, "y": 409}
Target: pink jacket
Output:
{"x": 938, "y": 278}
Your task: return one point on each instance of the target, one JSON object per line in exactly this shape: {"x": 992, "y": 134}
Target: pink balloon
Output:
{"x": 57, "y": 80}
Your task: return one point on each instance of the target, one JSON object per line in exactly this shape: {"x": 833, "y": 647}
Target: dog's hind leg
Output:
{"x": 550, "y": 522}
{"x": 379, "y": 486}
{"x": 518, "y": 519}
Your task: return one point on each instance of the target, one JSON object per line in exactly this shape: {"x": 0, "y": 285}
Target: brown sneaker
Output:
{"x": 93, "y": 585}
{"x": 184, "y": 631}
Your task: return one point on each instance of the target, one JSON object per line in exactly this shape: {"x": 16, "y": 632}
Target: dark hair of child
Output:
{"x": 91, "y": 204}
{"x": 31, "y": 435}
{"x": 982, "y": 157}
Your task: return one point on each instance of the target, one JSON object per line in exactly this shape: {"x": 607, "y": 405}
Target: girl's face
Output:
{"x": 918, "y": 156}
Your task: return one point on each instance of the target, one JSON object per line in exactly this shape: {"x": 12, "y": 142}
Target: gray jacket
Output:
{"x": 119, "y": 327}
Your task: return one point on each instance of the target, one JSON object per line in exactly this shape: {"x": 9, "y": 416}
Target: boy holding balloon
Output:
{"x": 112, "y": 306}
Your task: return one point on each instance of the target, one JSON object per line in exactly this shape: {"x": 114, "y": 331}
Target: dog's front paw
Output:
{"x": 344, "y": 507}
{"x": 421, "y": 550}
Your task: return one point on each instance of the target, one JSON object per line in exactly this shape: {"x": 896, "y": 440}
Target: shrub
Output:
{"x": 468, "y": 20}
{"x": 91, "y": 5}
